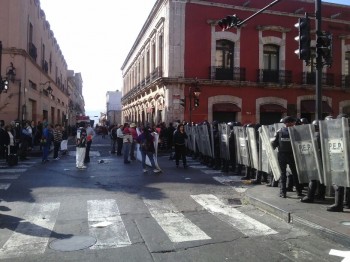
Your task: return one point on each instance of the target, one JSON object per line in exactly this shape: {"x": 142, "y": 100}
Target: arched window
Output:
{"x": 224, "y": 60}
{"x": 271, "y": 63}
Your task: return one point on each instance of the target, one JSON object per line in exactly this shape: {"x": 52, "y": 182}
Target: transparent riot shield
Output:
{"x": 236, "y": 145}
{"x": 306, "y": 153}
{"x": 224, "y": 132}
{"x": 270, "y": 152}
{"x": 198, "y": 141}
{"x": 334, "y": 137}
{"x": 253, "y": 147}
{"x": 242, "y": 146}
{"x": 205, "y": 140}
{"x": 212, "y": 141}
{"x": 263, "y": 159}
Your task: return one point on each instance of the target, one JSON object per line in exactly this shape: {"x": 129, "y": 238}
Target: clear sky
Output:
{"x": 95, "y": 38}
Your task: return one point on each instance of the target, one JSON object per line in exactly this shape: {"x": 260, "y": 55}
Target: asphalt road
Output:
{"x": 113, "y": 212}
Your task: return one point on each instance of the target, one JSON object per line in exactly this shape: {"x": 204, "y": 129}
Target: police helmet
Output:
{"x": 304, "y": 121}
{"x": 328, "y": 117}
{"x": 342, "y": 115}
{"x": 289, "y": 119}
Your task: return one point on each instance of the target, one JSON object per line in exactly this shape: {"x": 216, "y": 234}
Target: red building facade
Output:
{"x": 248, "y": 74}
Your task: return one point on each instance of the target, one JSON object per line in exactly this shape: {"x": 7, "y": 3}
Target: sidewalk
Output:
{"x": 312, "y": 217}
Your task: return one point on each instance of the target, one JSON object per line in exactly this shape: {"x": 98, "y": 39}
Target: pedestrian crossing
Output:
{"x": 8, "y": 174}
{"x": 35, "y": 230}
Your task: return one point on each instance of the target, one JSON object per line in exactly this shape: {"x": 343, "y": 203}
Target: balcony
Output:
{"x": 309, "y": 78}
{"x": 220, "y": 73}
{"x": 282, "y": 77}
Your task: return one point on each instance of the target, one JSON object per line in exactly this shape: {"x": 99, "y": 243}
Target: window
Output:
{"x": 311, "y": 68}
{"x": 224, "y": 60}
{"x": 271, "y": 63}
{"x": 346, "y": 81}
{"x": 224, "y": 54}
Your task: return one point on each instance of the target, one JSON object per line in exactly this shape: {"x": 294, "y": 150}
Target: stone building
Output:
{"x": 33, "y": 63}
{"x": 248, "y": 74}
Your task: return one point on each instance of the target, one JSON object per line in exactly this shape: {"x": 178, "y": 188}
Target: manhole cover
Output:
{"x": 345, "y": 223}
{"x": 73, "y": 243}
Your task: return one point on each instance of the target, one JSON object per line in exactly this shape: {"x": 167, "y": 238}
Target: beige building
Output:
{"x": 35, "y": 66}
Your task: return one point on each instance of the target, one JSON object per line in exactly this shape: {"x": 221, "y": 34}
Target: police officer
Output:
{"x": 285, "y": 156}
{"x": 339, "y": 192}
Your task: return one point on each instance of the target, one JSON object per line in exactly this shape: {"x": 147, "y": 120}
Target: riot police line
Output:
{"x": 321, "y": 152}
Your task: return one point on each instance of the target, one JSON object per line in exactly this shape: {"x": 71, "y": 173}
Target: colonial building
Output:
{"x": 247, "y": 74}
{"x": 114, "y": 107}
{"x": 33, "y": 63}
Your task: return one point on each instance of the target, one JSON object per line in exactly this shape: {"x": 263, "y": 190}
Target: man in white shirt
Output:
{"x": 90, "y": 133}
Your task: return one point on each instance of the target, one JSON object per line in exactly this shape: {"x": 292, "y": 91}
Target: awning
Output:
{"x": 226, "y": 107}
{"x": 272, "y": 108}
{"x": 308, "y": 106}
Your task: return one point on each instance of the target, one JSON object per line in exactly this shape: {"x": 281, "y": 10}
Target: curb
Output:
{"x": 298, "y": 221}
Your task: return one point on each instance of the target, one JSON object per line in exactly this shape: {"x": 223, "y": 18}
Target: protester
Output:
{"x": 46, "y": 142}
{"x": 90, "y": 133}
{"x": 179, "y": 138}
{"x": 145, "y": 139}
{"x": 127, "y": 140}
{"x": 3, "y": 138}
{"x": 120, "y": 136}
{"x": 133, "y": 132}
{"x": 64, "y": 142}
{"x": 57, "y": 139}
{"x": 80, "y": 142}
{"x": 113, "y": 135}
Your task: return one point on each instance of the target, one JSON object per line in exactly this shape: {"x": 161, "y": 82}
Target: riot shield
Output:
{"x": 306, "y": 153}
{"x": 236, "y": 145}
{"x": 334, "y": 137}
{"x": 212, "y": 141}
{"x": 270, "y": 152}
{"x": 253, "y": 147}
{"x": 205, "y": 140}
{"x": 263, "y": 159}
{"x": 242, "y": 146}
{"x": 224, "y": 132}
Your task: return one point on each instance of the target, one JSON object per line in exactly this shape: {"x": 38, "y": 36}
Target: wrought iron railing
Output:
{"x": 220, "y": 73}
{"x": 309, "y": 78}
{"x": 274, "y": 76}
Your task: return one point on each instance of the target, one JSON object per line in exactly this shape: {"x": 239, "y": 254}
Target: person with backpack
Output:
{"x": 145, "y": 139}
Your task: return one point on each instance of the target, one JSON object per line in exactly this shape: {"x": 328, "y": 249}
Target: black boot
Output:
{"x": 247, "y": 173}
{"x": 257, "y": 181}
{"x": 339, "y": 199}
{"x": 347, "y": 200}
{"x": 310, "y": 193}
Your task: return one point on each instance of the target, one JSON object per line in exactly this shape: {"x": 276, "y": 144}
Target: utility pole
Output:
{"x": 319, "y": 64}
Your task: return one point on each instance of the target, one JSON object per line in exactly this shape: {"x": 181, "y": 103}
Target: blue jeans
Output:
{"x": 126, "y": 151}
{"x": 150, "y": 156}
{"x": 46, "y": 150}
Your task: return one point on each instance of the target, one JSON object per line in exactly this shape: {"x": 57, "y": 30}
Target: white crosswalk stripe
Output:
{"x": 32, "y": 234}
{"x": 230, "y": 215}
{"x": 106, "y": 224}
{"x": 175, "y": 224}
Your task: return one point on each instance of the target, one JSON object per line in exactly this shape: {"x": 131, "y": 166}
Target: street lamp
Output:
{"x": 48, "y": 89}
{"x": 4, "y": 83}
{"x": 194, "y": 92}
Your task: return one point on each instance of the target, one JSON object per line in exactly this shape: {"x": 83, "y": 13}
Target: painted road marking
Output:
{"x": 4, "y": 186}
{"x": 9, "y": 176}
{"x": 245, "y": 224}
{"x": 33, "y": 232}
{"x": 175, "y": 224}
{"x": 113, "y": 233}
{"x": 13, "y": 170}
{"x": 339, "y": 253}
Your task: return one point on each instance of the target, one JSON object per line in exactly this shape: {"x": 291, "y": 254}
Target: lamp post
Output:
{"x": 194, "y": 93}
{"x": 48, "y": 89}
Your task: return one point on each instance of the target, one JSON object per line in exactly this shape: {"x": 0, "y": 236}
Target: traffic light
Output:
{"x": 4, "y": 84}
{"x": 196, "y": 102}
{"x": 324, "y": 47}
{"x": 183, "y": 102}
{"x": 228, "y": 22}
{"x": 303, "y": 26}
